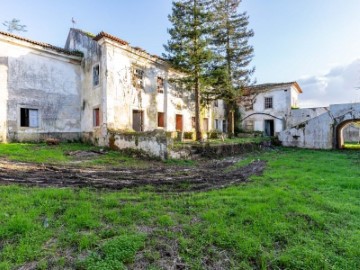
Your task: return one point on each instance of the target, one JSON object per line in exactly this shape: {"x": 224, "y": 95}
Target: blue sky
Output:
{"x": 314, "y": 42}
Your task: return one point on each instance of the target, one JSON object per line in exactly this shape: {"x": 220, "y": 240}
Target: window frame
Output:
{"x": 96, "y": 66}
{"x": 138, "y": 82}
{"x": 268, "y": 103}
{"x": 160, "y": 84}
{"x": 96, "y": 117}
{"x": 29, "y": 125}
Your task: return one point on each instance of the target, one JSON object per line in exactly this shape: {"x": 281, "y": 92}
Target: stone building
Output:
{"x": 40, "y": 90}
{"x": 268, "y": 107}
{"x": 96, "y": 84}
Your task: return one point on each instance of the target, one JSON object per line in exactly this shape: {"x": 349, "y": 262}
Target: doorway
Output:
{"x": 269, "y": 128}
{"x": 179, "y": 122}
{"x": 138, "y": 120}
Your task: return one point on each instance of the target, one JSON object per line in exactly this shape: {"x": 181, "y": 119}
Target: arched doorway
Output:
{"x": 348, "y": 134}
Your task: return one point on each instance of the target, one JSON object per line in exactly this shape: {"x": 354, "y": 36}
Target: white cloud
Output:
{"x": 339, "y": 85}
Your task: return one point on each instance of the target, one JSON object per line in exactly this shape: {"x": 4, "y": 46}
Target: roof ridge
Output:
{"x": 43, "y": 44}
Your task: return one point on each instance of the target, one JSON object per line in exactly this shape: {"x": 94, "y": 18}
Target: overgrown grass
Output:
{"x": 303, "y": 213}
{"x": 355, "y": 146}
{"x": 58, "y": 154}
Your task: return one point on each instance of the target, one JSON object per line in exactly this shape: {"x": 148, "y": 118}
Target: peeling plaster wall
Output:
{"x": 320, "y": 132}
{"x": 298, "y": 116}
{"x": 123, "y": 97}
{"x": 283, "y": 99}
{"x": 3, "y": 92}
{"x": 92, "y": 97}
{"x": 154, "y": 143}
{"x": 46, "y": 81}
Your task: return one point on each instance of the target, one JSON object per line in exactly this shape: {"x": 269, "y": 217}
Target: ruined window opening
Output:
{"x": 138, "y": 78}
{"x": 160, "y": 85}
{"x": 216, "y": 103}
{"x": 96, "y": 117}
{"x": 161, "y": 122}
{"x": 138, "y": 120}
{"x": 217, "y": 127}
{"x": 29, "y": 118}
{"x": 268, "y": 103}
{"x": 224, "y": 128}
{"x": 96, "y": 75}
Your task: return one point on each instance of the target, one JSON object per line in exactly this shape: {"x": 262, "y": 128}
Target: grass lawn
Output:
{"x": 303, "y": 213}
{"x": 355, "y": 146}
{"x": 58, "y": 154}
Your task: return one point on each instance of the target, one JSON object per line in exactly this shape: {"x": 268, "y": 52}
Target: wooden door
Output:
{"x": 179, "y": 122}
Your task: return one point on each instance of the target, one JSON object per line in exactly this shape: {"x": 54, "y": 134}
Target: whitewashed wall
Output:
{"x": 283, "y": 99}
{"x": 45, "y": 80}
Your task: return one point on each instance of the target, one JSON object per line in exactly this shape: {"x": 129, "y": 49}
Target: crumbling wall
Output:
{"x": 321, "y": 132}
{"x": 46, "y": 81}
{"x": 298, "y": 116}
{"x": 3, "y": 94}
{"x": 92, "y": 96}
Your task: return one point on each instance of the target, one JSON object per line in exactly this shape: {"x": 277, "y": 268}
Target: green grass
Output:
{"x": 355, "y": 146}
{"x": 58, "y": 154}
{"x": 303, "y": 213}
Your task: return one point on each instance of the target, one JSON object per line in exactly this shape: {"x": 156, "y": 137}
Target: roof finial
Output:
{"x": 73, "y": 22}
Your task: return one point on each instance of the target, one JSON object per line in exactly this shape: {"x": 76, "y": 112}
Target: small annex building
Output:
{"x": 268, "y": 107}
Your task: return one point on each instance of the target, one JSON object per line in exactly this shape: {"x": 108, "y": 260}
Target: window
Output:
{"x": 29, "y": 118}
{"x": 160, "y": 85}
{"x": 193, "y": 122}
{"x": 138, "y": 78}
{"x": 216, "y": 103}
{"x": 268, "y": 103}
{"x": 217, "y": 124}
{"x": 96, "y": 117}
{"x": 96, "y": 75}
{"x": 161, "y": 122}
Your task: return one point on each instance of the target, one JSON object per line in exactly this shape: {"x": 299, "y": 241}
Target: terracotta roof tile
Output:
{"x": 106, "y": 35}
{"x": 42, "y": 44}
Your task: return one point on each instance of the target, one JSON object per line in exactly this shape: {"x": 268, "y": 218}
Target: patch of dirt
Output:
{"x": 206, "y": 176}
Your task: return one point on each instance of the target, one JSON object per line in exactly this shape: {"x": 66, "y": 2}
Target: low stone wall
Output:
{"x": 154, "y": 143}
{"x": 40, "y": 137}
{"x": 214, "y": 151}
{"x": 224, "y": 150}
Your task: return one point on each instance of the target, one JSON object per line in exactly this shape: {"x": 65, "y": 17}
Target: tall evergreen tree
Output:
{"x": 230, "y": 42}
{"x": 188, "y": 48}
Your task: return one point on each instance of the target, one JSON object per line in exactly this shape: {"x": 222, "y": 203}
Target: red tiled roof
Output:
{"x": 42, "y": 44}
{"x": 106, "y": 35}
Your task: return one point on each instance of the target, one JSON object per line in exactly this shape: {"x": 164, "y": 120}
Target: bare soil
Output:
{"x": 210, "y": 175}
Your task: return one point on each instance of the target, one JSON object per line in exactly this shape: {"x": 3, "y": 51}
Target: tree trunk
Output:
{"x": 197, "y": 111}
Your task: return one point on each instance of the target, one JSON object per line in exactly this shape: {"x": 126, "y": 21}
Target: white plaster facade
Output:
{"x": 51, "y": 92}
{"x": 118, "y": 95}
{"x": 40, "y": 90}
{"x": 267, "y": 107}
{"x": 324, "y": 131}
